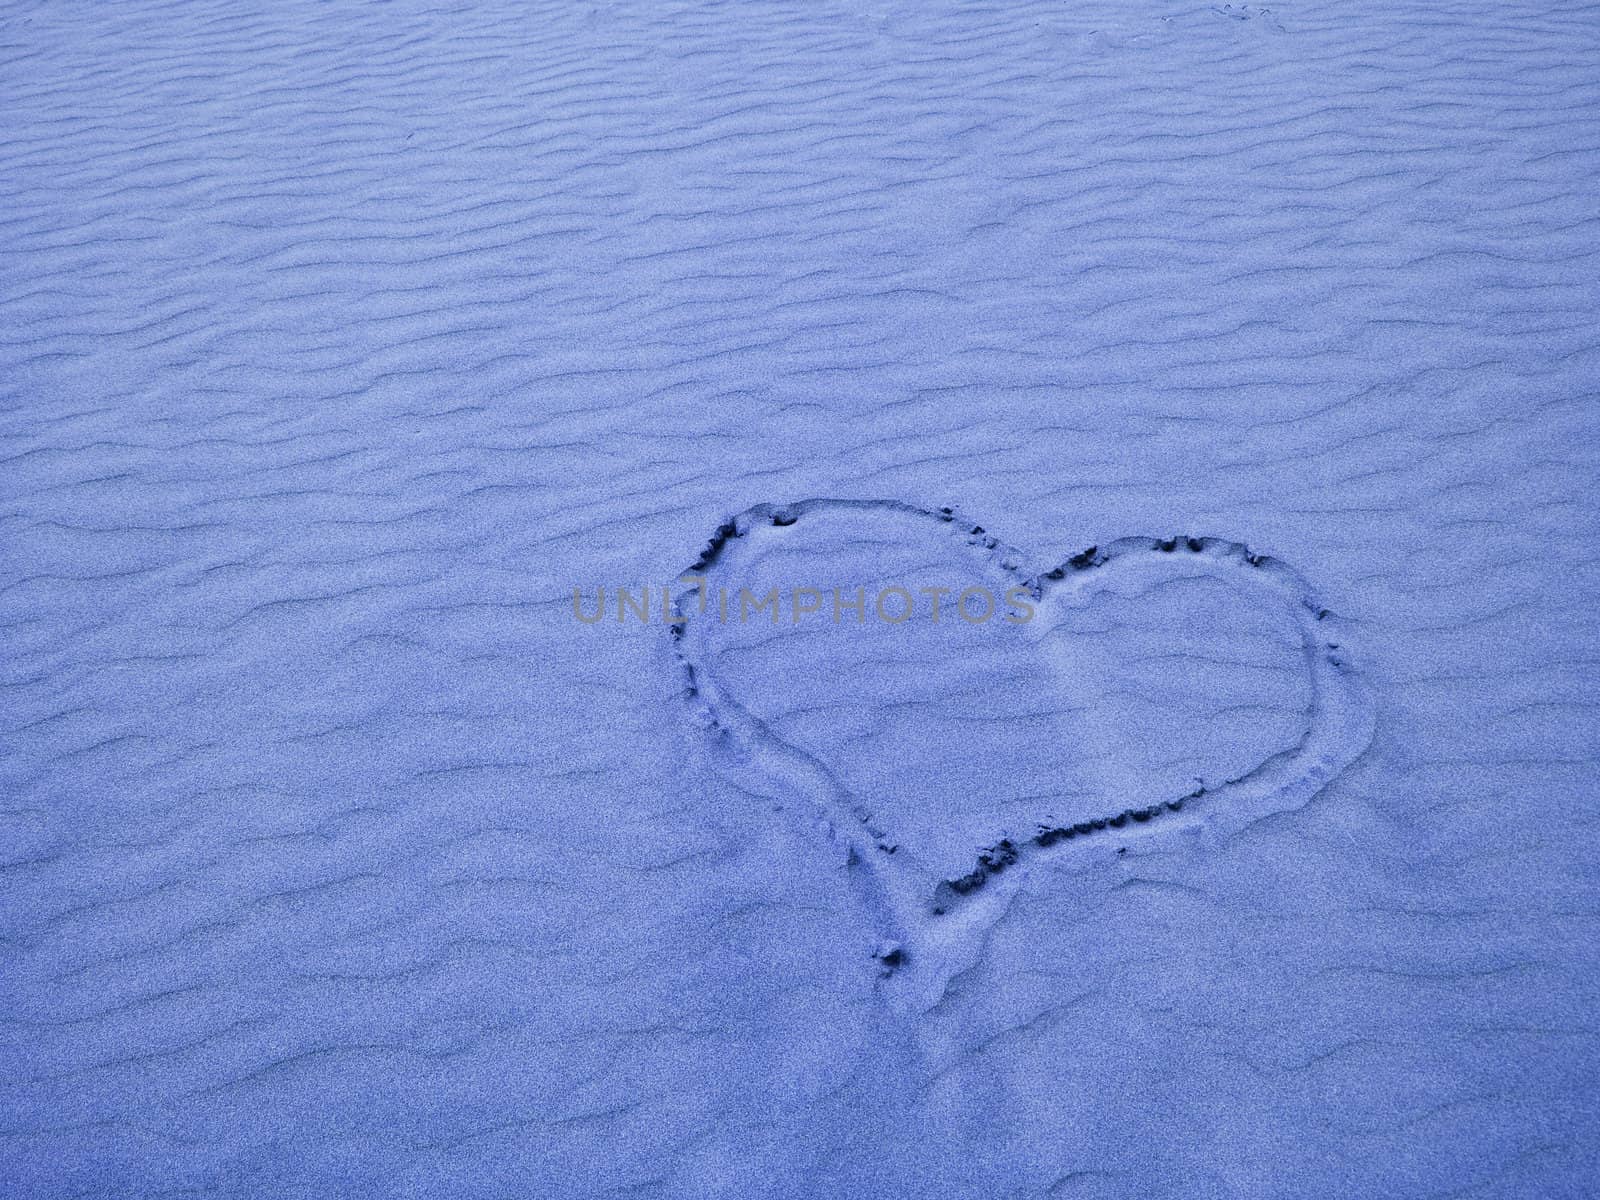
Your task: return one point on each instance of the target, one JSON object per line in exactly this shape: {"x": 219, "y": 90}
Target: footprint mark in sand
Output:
{"x": 1141, "y": 692}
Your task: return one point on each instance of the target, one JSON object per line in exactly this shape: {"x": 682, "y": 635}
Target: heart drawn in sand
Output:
{"x": 955, "y": 715}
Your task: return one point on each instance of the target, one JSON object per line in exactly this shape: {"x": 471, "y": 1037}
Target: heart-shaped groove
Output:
{"x": 926, "y": 918}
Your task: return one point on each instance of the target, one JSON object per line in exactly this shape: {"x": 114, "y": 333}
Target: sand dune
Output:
{"x": 340, "y": 342}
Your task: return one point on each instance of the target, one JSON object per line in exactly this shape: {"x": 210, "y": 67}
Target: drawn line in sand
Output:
{"x": 930, "y": 924}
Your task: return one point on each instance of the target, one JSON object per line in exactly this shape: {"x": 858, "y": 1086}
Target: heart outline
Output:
{"x": 930, "y": 929}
